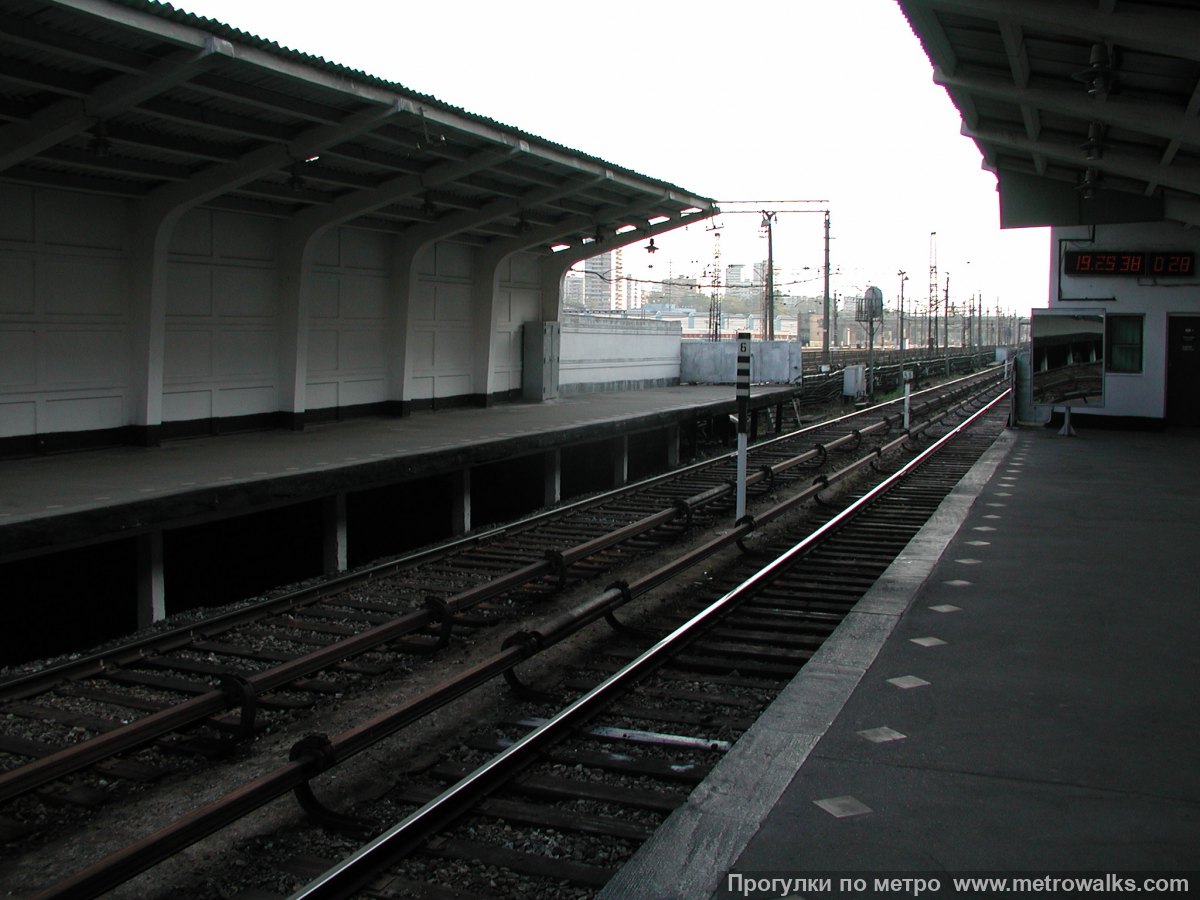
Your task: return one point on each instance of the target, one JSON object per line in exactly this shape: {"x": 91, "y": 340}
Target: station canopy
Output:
{"x": 136, "y": 99}
{"x": 1086, "y": 110}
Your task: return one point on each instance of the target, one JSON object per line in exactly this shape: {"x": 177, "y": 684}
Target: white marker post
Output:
{"x": 743, "y": 412}
{"x": 908, "y": 375}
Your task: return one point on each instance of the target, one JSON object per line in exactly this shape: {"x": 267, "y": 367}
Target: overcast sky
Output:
{"x": 828, "y": 100}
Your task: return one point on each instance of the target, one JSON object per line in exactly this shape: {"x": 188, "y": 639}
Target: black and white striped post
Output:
{"x": 743, "y": 415}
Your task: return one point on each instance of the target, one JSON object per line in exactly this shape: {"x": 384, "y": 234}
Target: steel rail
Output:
{"x": 322, "y": 753}
{"x": 93, "y": 664}
{"x": 357, "y": 871}
{"x": 30, "y": 776}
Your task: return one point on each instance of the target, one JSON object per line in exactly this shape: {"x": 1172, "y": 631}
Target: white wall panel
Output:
{"x": 454, "y": 261}
{"x": 453, "y": 303}
{"x": 188, "y": 353}
{"x": 323, "y": 301}
{"x": 349, "y": 318}
{"x": 19, "y": 418}
{"x": 18, "y": 359}
{"x": 189, "y": 289}
{"x": 423, "y": 301}
{"x": 17, "y": 285}
{"x": 241, "y": 291}
{"x": 79, "y": 358}
{"x": 421, "y": 387}
{"x": 193, "y": 234}
{"x": 322, "y": 350}
{"x": 364, "y": 297}
{"x": 243, "y": 237}
{"x": 245, "y": 353}
{"x": 81, "y": 220}
{"x": 361, "y": 249}
{"x": 64, "y": 311}
{"x": 322, "y": 395}
{"x": 420, "y": 350}
{"x": 452, "y": 351}
{"x": 355, "y": 393}
{"x": 83, "y": 286}
{"x": 244, "y": 401}
{"x": 82, "y": 413}
{"x": 187, "y": 406}
{"x": 362, "y": 349}
{"x": 523, "y": 268}
{"x": 16, "y": 213}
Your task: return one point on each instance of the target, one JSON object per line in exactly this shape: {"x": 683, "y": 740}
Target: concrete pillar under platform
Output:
{"x": 151, "y": 587}
{"x": 673, "y": 438}
{"x": 620, "y": 461}
{"x": 553, "y": 480}
{"x": 460, "y": 502}
{"x": 334, "y": 541}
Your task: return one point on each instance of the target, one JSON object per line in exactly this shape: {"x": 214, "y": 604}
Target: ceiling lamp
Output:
{"x": 1100, "y": 76}
{"x": 1088, "y": 186}
{"x": 1094, "y": 145}
{"x": 650, "y": 248}
{"x": 99, "y": 145}
{"x": 295, "y": 181}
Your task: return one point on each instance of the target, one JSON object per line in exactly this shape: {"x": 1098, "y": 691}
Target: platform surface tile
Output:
{"x": 71, "y": 482}
{"x": 1018, "y": 694}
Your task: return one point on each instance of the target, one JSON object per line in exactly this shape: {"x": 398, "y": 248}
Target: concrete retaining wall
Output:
{"x": 715, "y": 362}
{"x": 600, "y": 354}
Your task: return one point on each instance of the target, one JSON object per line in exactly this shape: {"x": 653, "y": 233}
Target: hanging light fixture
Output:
{"x": 99, "y": 145}
{"x": 1094, "y": 145}
{"x": 1100, "y": 76}
{"x": 1088, "y": 186}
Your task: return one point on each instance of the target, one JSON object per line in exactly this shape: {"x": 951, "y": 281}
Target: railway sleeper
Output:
{"x": 522, "y": 863}
{"x": 557, "y": 788}
{"x": 771, "y": 682}
{"x": 530, "y": 814}
{"x": 681, "y": 717}
{"x": 753, "y": 638}
{"x": 621, "y": 763}
{"x": 689, "y": 663}
{"x": 715, "y": 698}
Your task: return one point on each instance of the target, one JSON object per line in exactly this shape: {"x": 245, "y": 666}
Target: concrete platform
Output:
{"x": 63, "y": 499}
{"x": 1017, "y": 694}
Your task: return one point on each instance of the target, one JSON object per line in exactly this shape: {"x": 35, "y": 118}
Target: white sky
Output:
{"x": 747, "y": 100}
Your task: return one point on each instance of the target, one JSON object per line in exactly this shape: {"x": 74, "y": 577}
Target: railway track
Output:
{"x": 620, "y": 754}
{"x": 791, "y": 635}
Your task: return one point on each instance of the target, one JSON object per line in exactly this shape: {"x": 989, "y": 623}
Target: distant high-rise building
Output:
{"x": 621, "y": 286}
{"x": 760, "y": 274}
{"x": 598, "y": 281}
{"x": 573, "y": 289}
{"x": 735, "y": 274}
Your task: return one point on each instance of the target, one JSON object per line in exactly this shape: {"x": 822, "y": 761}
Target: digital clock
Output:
{"x": 1155, "y": 263}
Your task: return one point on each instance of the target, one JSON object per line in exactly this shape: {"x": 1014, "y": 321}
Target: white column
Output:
{"x": 334, "y": 542}
{"x": 151, "y": 593}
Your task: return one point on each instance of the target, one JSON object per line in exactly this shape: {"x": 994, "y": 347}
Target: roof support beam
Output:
{"x": 65, "y": 118}
{"x": 299, "y": 240}
{"x": 554, "y": 268}
{"x": 1125, "y": 165}
{"x": 155, "y": 221}
{"x": 1155, "y": 119}
{"x": 1166, "y": 31}
{"x": 486, "y": 287}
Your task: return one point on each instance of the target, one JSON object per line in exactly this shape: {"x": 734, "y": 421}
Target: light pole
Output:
{"x": 900, "y": 328}
{"x": 768, "y": 219}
